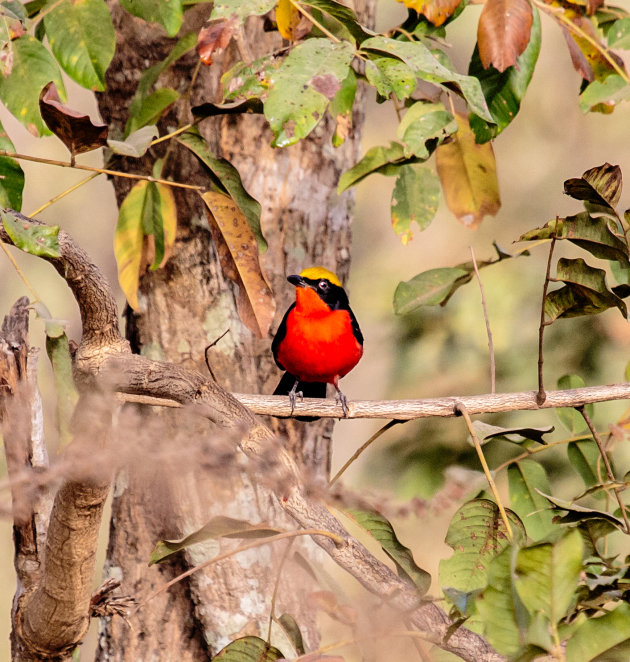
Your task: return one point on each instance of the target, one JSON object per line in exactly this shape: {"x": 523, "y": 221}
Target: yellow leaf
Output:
{"x": 238, "y": 253}
{"x": 287, "y": 18}
{"x": 436, "y": 11}
{"x": 468, "y": 174}
{"x": 169, "y": 219}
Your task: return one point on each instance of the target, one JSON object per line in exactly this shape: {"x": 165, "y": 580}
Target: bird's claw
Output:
{"x": 293, "y": 396}
{"x": 344, "y": 403}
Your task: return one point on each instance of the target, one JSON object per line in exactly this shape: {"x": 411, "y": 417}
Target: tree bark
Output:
{"x": 183, "y": 308}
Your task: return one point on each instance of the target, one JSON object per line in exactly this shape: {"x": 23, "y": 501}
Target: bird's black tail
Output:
{"x": 308, "y": 390}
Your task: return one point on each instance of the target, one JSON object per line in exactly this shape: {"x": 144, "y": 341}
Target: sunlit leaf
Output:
{"x": 293, "y": 632}
{"x": 610, "y": 91}
{"x": 437, "y": 11}
{"x": 390, "y": 75}
{"x": 424, "y": 127}
{"x": 427, "y": 67}
{"x": 241, "y": 8}
{"x": 600, "y": 186}
{"x": 218, "y": 527}
{"x": 341, "y": 108}
{"x": 309, "y": 77}
{"x": 11, "y": 175}
{"x": 167, "y": 14}
{"x": 227, "y": 178}
{"x": 429, "y": 288}
{"x": 384, "y": 160}
{"x": 503, "y": 32}
{"x": 75, "y": 129}
{"x": 34, "y": 239}
{"x": 505, "y": 91}
{"x": 33, "y": 68}
{"x": 477, "y": 535}
{"x": 82, "y": 37}
{"x": 214, "y": 38}
{"x": 468, "y": 175}
{"x": 572, "y": 420}
{"x": 136, "y": 144}
{"x": 619, "y": 34}
{"x": 585, "y": 292}
{"x": 248, "y": 649}
{"x": 547, "y": 576}
{"x": 597, "y": 635}
{"x": 382, "y": 530}
{"x": 525, "y": 478}
{"x": 287, "y": 18}
{"x": 238, "y": 254}
{"x": 248, "y": 81}
{"x": 415, "y": 198}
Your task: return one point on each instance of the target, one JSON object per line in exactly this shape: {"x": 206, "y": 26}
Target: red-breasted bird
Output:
{"x": 319, "y": 339}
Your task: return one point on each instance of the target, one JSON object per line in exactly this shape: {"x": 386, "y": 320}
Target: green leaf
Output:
{"x": 293, "y": 632}
{"x": 302, "y": 87}
{"x": 487, "y": 432}
{"x": 217, "y": 527}
{"x": 477, "y": 535}
{"x": 384, "y": 160}
{"x": 11, "y": 175}
{"x": 504, "y": 91}
{"x": 525, "y": 478}
{"x": 33, "y": 68}
{"x": 584, "y": 456}
{"x": 597, "y": 635}
{"x": 547, "y": 576}
{"x": 82, "y": 37}
{"x": 151, "y": 109}
{"x": 168, "y": 14}
{"x": 425, "y": 122}
{"x": 248, "y": 81}
{"x": 382, "y": 530}
{"x": 428, "y": 288}
{"x": 341, "y": 108}
{"x": 241, "y": 8}
{"x": 390, "y": 76}
{"x": 248, "y": 649}
{"x": 136, "y": 144}
{"x": 34, "y": 239}
{"x": 599, "y": 186}
{"x": 611, "y": 90}
{"x": 58, "y": 350}
{"x": 420, "y": 59}
{"x": 591, "y": 233}
{"x": 585, "y": 292}
{"x": 580, "y": 514}
{"x": 415, "y": 198}
{"x": 619, "y": 34}
{"x": 341, "y": 14}
{"x": 502, "y": 613}
{"x": 572, "y": 420}
{"x": 226, "y": 177}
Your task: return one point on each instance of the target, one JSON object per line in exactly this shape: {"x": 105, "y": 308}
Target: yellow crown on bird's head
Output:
{"x": 316, "y": 273}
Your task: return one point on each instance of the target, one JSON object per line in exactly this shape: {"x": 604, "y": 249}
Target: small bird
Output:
{"x": 319, "y": 339}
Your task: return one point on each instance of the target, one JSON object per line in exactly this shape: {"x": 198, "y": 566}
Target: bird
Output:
{"x": 319, "y": 339}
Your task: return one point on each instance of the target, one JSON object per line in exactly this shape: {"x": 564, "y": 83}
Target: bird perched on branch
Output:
{"x": 319, "y": 339}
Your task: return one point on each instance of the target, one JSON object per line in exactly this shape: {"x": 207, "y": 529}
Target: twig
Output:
{"x": 609, "y": 471}
{"x": 210, "y": 346}
{"x": 63, "y": 194}
{"x": 102, "y": 171}
{"x": 242, "y": 548}
{"x": 20, "y": 273}
{"x": 360, "y": 450}
{"x": 316, "y": 23}
{"x": 486, "y": 469}
{"x": 541, "y": 396}
{"x": 172, "y": 134}
{"x": 272, "y": 607}
{"x": 487, "y": 319}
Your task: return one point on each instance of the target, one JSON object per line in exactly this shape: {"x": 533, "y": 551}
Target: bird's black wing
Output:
{"x": 356, "y": 330}
{"x": 279, "y": 337}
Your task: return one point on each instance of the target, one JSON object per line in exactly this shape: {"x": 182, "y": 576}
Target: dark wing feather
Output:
{"x": 280, "y": 335}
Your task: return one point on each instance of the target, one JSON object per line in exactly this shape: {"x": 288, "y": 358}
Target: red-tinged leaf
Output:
{"x": 215, "y": 37}
{"x": 503, "y": 32}
{"x": 436, "y": 11}
{"x": 327, "y": 602}
{"x": 238, "y": 253}
{"x": 76, "y": 130}
{"x": 468, "y": 176}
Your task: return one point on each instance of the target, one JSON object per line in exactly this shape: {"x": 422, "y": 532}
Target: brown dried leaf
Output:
{"x": 503, "y": 32}
{"x": 436, "y": 11}
{"x": 76, "y": 130}
{"x": 214, "y": 38}
{"x": 238, "y": 253}
{"x": 468, "y": 174}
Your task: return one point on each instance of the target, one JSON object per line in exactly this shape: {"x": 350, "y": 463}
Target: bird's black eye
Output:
{"x": 323, "y": 285}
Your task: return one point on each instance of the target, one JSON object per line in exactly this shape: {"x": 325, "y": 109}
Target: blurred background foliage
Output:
{"x": 436, "y": 352}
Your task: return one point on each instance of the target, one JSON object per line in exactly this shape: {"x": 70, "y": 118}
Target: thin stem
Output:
{"x": 487, "y": 319}
{"x": 539, "y": 449}
{"x": 63, "y": 194}
{"x": 486, "y": 469}
{"x": 242, "y": 548}
{"x": 541, "y": 396}
{"x": 609, "y": 471}
{"x": 572, "y": 27}
{"x": 47, "y": 11}
{"x": 102, "y": 171}
{"x": 272, "y": 608}
{"x": 360, "y": 450}
{"x": 316, "y": 23}
{"x": 168, "y": 136}
{"x": 20, "y": 273}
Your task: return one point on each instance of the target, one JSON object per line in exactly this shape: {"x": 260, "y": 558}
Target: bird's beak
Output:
{"x": 296, "y": 280}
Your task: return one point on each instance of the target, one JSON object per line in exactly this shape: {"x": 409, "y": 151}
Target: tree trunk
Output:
{"x": 183, "y": 308}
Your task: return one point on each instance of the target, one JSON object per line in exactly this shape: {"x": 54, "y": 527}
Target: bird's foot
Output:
{"x": 344, "y": 402}
{"x": 293, "y": 396}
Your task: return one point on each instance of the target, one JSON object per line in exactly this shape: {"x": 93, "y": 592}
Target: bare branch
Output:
{"x": 487, "y": 320}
